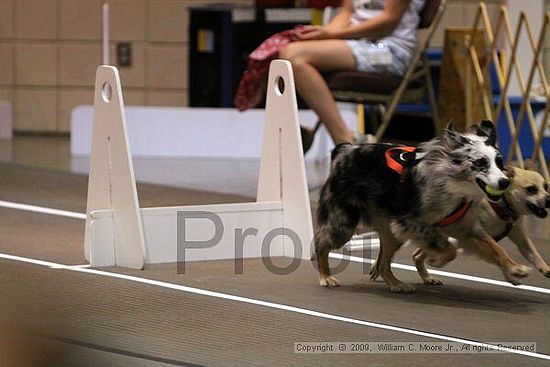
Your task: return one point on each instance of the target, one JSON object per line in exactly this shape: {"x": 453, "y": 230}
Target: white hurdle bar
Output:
{"x": 120, "y": 233}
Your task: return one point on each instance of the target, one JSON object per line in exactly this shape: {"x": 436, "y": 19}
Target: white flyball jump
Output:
{"x": 120, "y": 233}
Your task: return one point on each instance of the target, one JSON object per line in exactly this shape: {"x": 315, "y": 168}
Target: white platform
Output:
{"x": 197, "y": 132}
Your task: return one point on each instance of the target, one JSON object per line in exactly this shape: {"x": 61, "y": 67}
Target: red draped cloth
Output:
{"x": 253, "y": 83}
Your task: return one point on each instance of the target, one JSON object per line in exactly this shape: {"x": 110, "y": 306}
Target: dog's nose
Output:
{"x": 503, "y": 183}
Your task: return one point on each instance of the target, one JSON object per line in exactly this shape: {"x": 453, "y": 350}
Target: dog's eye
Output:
{"x": 532, "y": 190}
{"x": 498, "y": 162}
{"x": 545, "y": 186}
{"x": 481, "y": 162}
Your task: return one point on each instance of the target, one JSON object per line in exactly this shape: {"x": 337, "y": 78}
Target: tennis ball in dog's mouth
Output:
{"x": 494, "y": 191}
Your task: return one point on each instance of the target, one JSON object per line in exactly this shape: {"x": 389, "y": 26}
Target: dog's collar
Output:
{"x": 457, "y": 214}
{"x": 504, "y": 233}
{"x": 507, "y": 214}
{"x": 400, "y": 157}
{"x": 504, "y": 211}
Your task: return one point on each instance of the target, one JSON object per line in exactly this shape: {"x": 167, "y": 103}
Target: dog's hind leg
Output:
{"x": 322, "y": 249}
{"x": 419, "y": 257}
{"x": 328, "y": 238}
{"x": 388, "y": 246}
{"x": 528, "y": 250}
{"x": 334, "y": 230}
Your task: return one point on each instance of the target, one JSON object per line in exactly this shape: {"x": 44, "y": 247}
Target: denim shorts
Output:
{"x": 379, "y": 57}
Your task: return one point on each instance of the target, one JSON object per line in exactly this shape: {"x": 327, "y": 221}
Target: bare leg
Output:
{"x": 309, "y": 59}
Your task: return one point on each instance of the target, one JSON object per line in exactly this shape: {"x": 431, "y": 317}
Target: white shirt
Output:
{"x": 404, "y": 35}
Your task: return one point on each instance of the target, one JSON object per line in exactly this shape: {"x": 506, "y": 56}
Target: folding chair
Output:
{"x": 384, "y": 92}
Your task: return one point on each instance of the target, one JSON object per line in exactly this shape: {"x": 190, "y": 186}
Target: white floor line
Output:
{"x": 80, "y": 266}
{"x": 64, "y": 213}
{"x": 42, "y": 210}
{"x": 70, "y": 266}
{"x": 447, "y": 274}
{"x": 278, "y": 306}
{"x": 360, "y": 247}
{"x": 363, "y": 242}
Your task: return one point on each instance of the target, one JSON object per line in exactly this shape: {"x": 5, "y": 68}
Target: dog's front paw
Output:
{"x": 329, "y": 281}
{"x": 402, "y": 288}
{"x": 519, "y": 271}
{"x": 512, "y": 279}
{"x": 432, "y": 281}
{"x": 373, "y": 273}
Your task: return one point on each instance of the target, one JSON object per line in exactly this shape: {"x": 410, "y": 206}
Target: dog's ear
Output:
{"x": 510, "y": 171}
{"x": 453, "y": 138}
{"x": 486, "y": 129}
{"x": 530, "y": 165}
{"x": 487, "y": 124}
{"x": 451, "y": 125}
{"x": 490, "y": 129}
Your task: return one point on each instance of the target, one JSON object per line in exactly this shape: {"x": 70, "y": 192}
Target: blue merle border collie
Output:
{"x": 410, "y": 200}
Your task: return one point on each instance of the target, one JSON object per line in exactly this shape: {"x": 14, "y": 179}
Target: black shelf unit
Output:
{"x": 221, "y": 38}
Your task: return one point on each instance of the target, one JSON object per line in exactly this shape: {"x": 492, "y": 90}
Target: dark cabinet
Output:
{"x": 221, "y": 37}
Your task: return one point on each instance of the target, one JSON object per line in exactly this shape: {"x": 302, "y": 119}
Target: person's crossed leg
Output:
{"x": 309, "y": 59}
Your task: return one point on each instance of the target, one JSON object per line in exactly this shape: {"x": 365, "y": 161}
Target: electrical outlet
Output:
{"x": 124, "y": 54}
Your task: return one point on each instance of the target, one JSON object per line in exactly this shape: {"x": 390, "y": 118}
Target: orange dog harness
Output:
{"x": 396, "y": 159}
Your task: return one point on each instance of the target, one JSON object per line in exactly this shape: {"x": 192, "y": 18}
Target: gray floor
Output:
{"x": 87, "y": 319}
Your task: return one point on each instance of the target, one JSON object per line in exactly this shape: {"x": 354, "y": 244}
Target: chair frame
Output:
{"x": 387, "y": 103}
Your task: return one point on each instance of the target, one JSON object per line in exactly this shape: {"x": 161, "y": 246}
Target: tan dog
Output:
{"x": 527, "y": 195}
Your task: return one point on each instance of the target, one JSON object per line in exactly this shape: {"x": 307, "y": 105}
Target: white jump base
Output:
{"x": 120, "y": 233}
{"x": 160, "y": 227}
